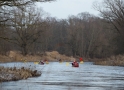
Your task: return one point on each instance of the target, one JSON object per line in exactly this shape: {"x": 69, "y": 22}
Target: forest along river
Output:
{"x": 62, "y": 76}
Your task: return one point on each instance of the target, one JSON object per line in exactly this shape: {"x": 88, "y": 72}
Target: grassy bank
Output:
{"x": 55, "y": 56}
{"x": 111, "y": 61}
{"x": 15, "y": 56}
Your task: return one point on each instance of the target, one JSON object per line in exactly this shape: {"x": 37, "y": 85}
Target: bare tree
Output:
{"x": 113, "y": 11}
{"x": 5, "y": 4}
{"x": 87, "y": 36}
{"x": 74, "y": 31}
{"x": 27, "y": 28}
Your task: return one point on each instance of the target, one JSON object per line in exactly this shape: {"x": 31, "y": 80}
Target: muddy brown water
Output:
{"x": 62, "y": 76}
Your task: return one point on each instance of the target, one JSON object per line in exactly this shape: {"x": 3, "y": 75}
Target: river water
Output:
{"x": 62, "y": 76}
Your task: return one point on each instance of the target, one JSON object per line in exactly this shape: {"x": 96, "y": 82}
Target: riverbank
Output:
{"x": 16, "y": 56}
{"x": 110, "y": 61}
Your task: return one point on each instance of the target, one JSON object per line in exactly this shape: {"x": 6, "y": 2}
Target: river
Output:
{"x": 62, "y": 76}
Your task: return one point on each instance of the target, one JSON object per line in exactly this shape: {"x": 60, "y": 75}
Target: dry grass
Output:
{"x": 111, "y": 61}
{"x": 55, "y": 56}
{"x": 5, "y": 59}
{"x": 13, "y": 74}
{"x": 15, "y": 56}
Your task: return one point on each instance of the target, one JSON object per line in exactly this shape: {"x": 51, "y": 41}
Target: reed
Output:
{"x": 14, "y": 73}
{"x": 111, "y": 61}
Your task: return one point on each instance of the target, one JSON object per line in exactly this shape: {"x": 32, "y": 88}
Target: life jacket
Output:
{"x": 81, "y": 59}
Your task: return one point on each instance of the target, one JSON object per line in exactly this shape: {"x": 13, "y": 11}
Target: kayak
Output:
{"x": 47, "y": 62}
{"x": 81, "y": 62}
{"x": 41, "y": 63}
{"x": 75, "y": 64}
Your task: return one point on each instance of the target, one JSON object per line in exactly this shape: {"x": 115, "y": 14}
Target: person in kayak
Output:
{"x": 81, "y": 60}
{"x": 41, "y": 62}
{"x": 75, "y": 64}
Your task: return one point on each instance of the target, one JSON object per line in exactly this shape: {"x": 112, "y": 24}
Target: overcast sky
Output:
{"x": 61, "y": 9}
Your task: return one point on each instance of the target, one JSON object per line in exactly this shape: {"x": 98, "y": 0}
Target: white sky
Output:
{"x": 61, "y": 9}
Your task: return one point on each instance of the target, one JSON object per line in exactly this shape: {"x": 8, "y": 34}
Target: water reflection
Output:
{"x": 59, "y": 76}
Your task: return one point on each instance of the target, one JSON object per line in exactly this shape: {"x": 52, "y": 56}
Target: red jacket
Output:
{"x": 81, "y": 59}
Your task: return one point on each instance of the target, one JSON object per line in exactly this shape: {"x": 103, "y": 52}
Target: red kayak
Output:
{"x": 75, "y": 64}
